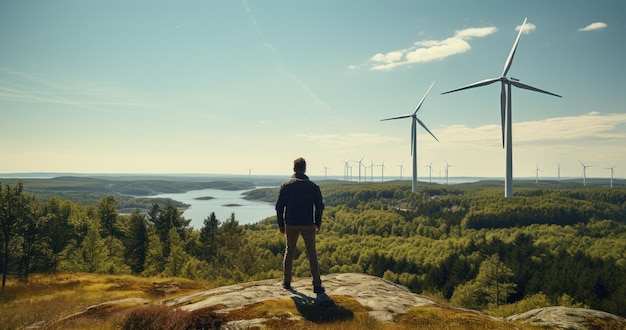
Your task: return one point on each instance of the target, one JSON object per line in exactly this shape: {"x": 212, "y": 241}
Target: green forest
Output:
{"x": 463, "y": 243}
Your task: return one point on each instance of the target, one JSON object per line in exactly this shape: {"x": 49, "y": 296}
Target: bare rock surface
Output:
{"x": 384, "y": 299}
{"x": 568, "y": 318}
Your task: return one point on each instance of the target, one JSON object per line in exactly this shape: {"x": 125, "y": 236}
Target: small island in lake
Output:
{"x": 231, "y": 205}
{"x": 206, "y": 198}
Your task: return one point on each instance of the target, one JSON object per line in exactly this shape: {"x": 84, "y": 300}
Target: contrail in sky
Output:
{"x": 273, "y": 49}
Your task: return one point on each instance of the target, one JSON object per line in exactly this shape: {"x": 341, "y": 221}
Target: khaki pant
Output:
{"x": 308, "y": 234}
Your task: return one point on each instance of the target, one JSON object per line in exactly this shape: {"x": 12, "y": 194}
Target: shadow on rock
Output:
{"x": 321, "y": 309}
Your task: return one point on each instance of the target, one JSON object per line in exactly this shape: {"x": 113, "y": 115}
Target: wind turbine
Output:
{"x": 447, "y": 166}
{"x": 505, "y": 109}
{"x": 345, "y": 169}
{"x": 537, "y": 170}
{"x": 250, "y": 173}
{"x": 584, "y": 173}
{"x": 360, "y": 161}
{"x": 325, "y": 171}
{"x": 430, "y": 172}
{"x": 414, "y": 122}
{"x": 612, "y": 172}
{"x": 558, "y": 170}
{"x": 401, "y": 166}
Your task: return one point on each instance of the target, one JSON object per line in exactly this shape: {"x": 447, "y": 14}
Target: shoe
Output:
{"x": 318, "y": 289}
{"x": 286, "y": 285}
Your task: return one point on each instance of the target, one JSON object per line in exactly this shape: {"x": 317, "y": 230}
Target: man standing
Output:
{"x": 299, "y": 212}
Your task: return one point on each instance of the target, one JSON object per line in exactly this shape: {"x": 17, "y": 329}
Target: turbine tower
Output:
{"x": 401, "y": 166}
{"x": 505, "y": 109}
{"x": 414, "y": 122}
{"x": 584, "y": 173}
{"x": 325, "y": 171}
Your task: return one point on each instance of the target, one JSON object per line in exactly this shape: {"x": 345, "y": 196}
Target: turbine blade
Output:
{"x": 423, "y": 98}
{"x": 509, "y": 60}
{"x": 399, "y": 117}
{"x": 426, "y": 128}
{"x": 476, "y": 84}
{"x": 524, "y": 86}
{"x": 502, "y": 109}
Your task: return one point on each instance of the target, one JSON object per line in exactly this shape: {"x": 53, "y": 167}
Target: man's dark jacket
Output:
{"x": 299, "y": 202}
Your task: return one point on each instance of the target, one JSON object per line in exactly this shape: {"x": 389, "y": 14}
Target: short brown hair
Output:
{"x": 299, "y": 165}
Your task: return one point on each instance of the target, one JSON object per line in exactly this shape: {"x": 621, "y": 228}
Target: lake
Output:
{"x": 222, "y": 203}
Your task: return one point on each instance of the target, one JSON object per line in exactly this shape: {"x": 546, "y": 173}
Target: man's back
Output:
{"x": 300, "y": 199}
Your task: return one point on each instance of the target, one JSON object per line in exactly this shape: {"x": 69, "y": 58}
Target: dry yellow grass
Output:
{"x": 45, "y": 299}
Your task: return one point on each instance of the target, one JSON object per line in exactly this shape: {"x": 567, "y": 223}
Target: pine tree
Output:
{"x": 107, "y": 214}
{"x": 92, "y": 254}
{"x": 136, "y": 242}
{"x": 13, "y": 211}
{"x": 208, "y": 238}
{"x": 177, "y": 258}
{"x": 495, "y": 280}
{"x": 155, "y": 260}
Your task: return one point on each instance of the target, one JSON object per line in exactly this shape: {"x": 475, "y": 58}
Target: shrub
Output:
{"x": 163, "y": 317}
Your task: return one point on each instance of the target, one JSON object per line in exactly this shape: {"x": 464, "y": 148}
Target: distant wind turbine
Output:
{"x": 360, "y": 162}
{"x": 430, "y": 172}
{"x": 250, "y": 173}
{"x": 414, "y": 122}
{"x": 345, "y": 169}
{"x": 558, "y": 170}
{"x": 325, "y": 171}
{"x": 447, "y": 167}
{"x": 537, "y": 170}
{"x": 505, "y": 109}
{"x": 584, "y": 173}
{"x": 401, "y": 166}
{"x": 612, "y": 173}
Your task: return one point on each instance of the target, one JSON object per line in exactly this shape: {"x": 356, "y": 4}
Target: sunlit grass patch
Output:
{"x": 442, "y": 317}
{"x": 47, "y": 298}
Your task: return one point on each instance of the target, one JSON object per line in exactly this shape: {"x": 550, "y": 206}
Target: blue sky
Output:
{"x": 227, "y": 86}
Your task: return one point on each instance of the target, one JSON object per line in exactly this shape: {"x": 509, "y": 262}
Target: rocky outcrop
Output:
{"x": 570, "y": 318}
{"x": 383, "y": 299}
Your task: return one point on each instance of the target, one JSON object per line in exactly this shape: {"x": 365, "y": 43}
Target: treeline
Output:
{"x": 468, "y": 245}
{"x": 61, "y": 236}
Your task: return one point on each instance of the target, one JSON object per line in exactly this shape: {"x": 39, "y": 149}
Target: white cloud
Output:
{"x": 428, "y": 50}
{"x": 475, "y": 32}
{"x": 593, "y": 27}
{"x": 528, "y": 28}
